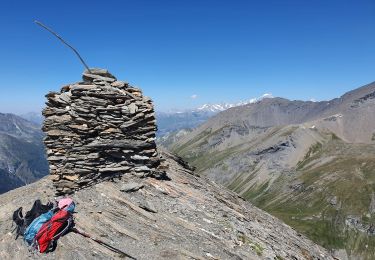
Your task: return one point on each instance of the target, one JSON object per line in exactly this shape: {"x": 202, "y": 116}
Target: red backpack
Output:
{"x": 52, "y": 230}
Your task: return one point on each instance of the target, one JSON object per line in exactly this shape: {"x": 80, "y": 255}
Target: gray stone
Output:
{"x": 139, "y": 157}
{"x": 128, "y": 124}
{"x": 148, "y": 206}
{"x": 91, "y": 77}
{"x": 100, "y": 72}
{"x": 333, "y": 201}
{"x": 119, "y": 84}
{"x": 131, "y": 186}
{"x": 127, "y": 144}
{"x": 56, "y": 158}
{"x": 133, "y": 108}
{"x": 117, "y": 169}
{"x": 142, "y": 168}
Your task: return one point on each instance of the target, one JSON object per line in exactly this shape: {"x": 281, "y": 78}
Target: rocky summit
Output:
{"x": 98, "y": 129}
{"x": 185, "y": 217}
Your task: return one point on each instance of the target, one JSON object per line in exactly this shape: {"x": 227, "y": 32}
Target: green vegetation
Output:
{"x": 257, "y": 248}
{"x": 242, "y": 179}
{"x": 195, "y": 141}
{"x": 289, "y": 131}
{"x": 311, "y": 213}
{"x": 310, "y": 155}
{"x": 247, "y": 241}
{"x": 193, "y": 152}
{"x": 349, "y": 177}
{"x": 334, "y": 180}
{"x": 335, "y": 137}
{"x": 255, "y": 191}
{"x": 203, "y": 161}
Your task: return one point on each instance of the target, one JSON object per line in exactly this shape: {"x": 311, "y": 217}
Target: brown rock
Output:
{"x": 71, "y": 177}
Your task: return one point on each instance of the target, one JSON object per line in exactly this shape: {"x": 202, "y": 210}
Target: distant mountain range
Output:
{"x": 169, "y": 122}
{"x": 22, "y": 157}
{"x": 224, "y": 106}
{"x": 311, "y": 164}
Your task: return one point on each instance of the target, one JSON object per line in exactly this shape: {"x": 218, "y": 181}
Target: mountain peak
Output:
{"x": 18, "y": 127}
{"x": 224, "y": 106}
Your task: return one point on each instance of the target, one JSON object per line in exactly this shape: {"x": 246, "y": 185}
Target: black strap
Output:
{"x": 19, "y": 221}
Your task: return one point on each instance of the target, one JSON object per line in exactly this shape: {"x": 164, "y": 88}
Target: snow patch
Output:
{"x": 224, "y": 106}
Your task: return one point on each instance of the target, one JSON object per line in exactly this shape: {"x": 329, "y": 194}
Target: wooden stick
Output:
{"x": 64, "y": 42}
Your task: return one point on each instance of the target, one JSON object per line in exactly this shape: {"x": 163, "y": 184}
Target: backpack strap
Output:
{"x": 64, "y": 230}
{"x": 19, "y": 221}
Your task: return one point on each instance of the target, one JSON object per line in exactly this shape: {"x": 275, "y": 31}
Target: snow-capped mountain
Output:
{"x": 224, "y": 106}
{"x": 214, "y": 107}
{"x": 173, "y": 121}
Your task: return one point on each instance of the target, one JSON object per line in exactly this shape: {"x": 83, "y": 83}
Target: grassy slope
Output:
{"x": 201, "y": 158}
{"x": 350, "y": 177}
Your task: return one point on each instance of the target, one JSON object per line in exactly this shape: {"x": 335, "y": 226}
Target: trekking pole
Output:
{"x": 118, "y": 251}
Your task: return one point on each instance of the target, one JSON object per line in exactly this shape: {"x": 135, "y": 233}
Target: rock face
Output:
{"x": 99, "y": 129}
{"x": 187, "y": 217}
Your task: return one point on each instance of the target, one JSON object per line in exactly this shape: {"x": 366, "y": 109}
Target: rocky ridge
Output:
{"x": 98, "y": 129}
{"x": 185, "y": 217}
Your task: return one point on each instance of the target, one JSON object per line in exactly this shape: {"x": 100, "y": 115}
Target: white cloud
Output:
{"x": 195, "y": 96}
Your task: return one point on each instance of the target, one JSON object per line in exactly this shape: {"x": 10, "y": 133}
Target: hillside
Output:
{"x": 299, "y": 161}
{"x": 22, "y": 158}
{"x": 186, "y": 217}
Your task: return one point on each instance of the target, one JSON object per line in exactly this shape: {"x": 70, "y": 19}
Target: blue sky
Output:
{"x": 216, "y": 50}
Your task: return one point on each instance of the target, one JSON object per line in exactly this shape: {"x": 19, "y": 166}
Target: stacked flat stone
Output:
{"x": 99, "y": 129}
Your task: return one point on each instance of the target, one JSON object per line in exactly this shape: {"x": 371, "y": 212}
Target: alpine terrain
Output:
{"x": 187, "y": 217}
{"x": 22, "y": 157}
{"x": 171, "y": 122}
{"x": 148, "y": 203}
{"x": 312, "y": 164}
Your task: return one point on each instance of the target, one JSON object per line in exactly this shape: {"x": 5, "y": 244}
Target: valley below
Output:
{"x": 311, "y": 164}
{"x": 22, "y": 155}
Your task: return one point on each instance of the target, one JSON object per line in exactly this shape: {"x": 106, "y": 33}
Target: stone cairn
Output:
{"x": 99, "y": 129}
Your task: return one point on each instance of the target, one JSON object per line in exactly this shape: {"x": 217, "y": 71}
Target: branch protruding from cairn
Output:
{"x": 64, "y": 42}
